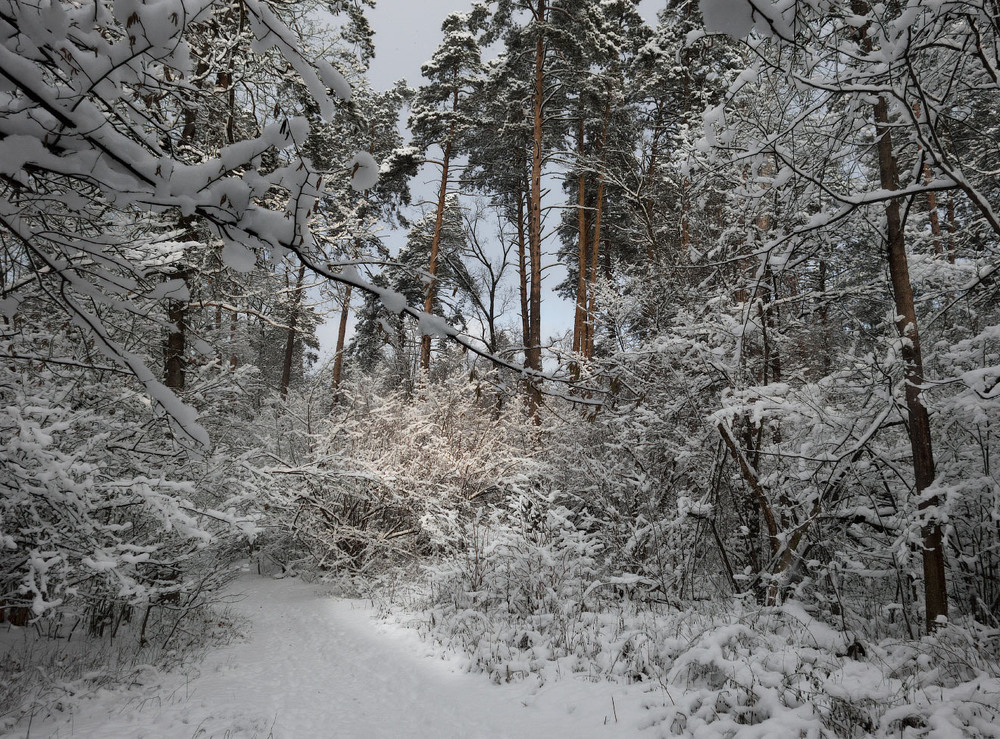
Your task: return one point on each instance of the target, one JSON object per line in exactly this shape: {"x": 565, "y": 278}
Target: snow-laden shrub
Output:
{"x": 393, "y": 476}
{"x": 967, "y": 479}
{"x": 115, "y": 536}
{"x": 734, "y": 669}
{"x": 102, "y": 514}
{"x": 822, "y": 460}
{"x": 782, "y": 672}
{"x": 530, "y": 589}
{"x": 523, "y": 561}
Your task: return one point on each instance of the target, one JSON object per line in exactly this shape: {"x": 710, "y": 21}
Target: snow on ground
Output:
{"x": 318, "y": 666}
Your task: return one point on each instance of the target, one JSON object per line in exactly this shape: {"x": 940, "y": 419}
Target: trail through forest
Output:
{"x": 313, "y": 666}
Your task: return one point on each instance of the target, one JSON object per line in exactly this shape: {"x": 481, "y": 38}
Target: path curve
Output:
{"x": 314, "y": 667}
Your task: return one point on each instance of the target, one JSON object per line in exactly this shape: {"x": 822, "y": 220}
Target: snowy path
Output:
{"x": 315, "y": 666}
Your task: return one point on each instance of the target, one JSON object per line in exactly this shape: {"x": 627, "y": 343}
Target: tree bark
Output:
{"x": 522, "y": 265}
{"x": 824, "y": 317}
{"x": 286, "y": 365}
{"x": 918, "y": 421}
{"x": 581, "y": 277}
{"x": 533, "y": 349}
{"x": 649, "y": 180}
{"x": 589, "y": 327}
{"x": 177, "y": 310}
{"x": 952, "y": 226}
{"x": 176, "y": 344}
{"x": 338, "y": 362}
{"x": 234, "y": 359}
{"x": 425, "y": 340}
{"x": 918, "y": 427}
{"x": 175, "y": 347}
{"x": 595, "y": 253}
{"x": 932, "y": 212}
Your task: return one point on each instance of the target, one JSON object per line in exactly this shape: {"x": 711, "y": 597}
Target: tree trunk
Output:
{"x": 918, "y": 421}
{"x": 918, "y": 427}
{"x": 685, "y": 217}
{"x": 595, "y": 252}
{"x": 932, "y": 204}
{"x": 425, "y": 340}
{"x": 175, "y": 347}
{"x": 338, "y": 362}
{"x": 581, "y": 278}
{"x": 176, "y": 344}
{"x": 824, "y": 318}
{"x": 522, "y": 268}
{"x": 652, "y": 242}
{"x": 234, "y": 359}
{"x": 932, "y": 212}
{"x": 533, "y": 350}
{"x": 293, "y": 315}
{"x": 177, "y": 310}
{"x": 952, "y": 226}
{"x": 589, "y": 327}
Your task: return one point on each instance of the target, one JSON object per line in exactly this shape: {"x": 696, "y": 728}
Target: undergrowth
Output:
{"x": 41, "y": 674}
{"x": 529, "y": 600}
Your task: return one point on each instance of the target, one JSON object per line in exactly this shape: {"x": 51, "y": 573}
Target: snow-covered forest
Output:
{"x": 753, "y": 477}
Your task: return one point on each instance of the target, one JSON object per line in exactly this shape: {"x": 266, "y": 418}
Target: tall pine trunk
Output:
{"x": 649, "y": 180}
{"x": 533, "y": 349}
{"x": 425, "y": 340}
{"x": 595, "y": 249}
{"x": 522, "y": 262}
{"x": 595, "y": 254}
{"x": 580, "y": 315}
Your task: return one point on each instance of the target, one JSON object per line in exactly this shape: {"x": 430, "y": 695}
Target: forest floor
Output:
{"x": 312, "y": 665}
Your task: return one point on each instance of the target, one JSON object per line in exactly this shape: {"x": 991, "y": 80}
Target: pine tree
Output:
{"x": 379, "y": 330}
{"x": 498, "y": 161}
{"x": 439, "y": 118}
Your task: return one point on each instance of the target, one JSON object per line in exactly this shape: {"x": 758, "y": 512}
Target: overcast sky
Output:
{"x": 408, "y": 31}
{"x": 406, "y": 34}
